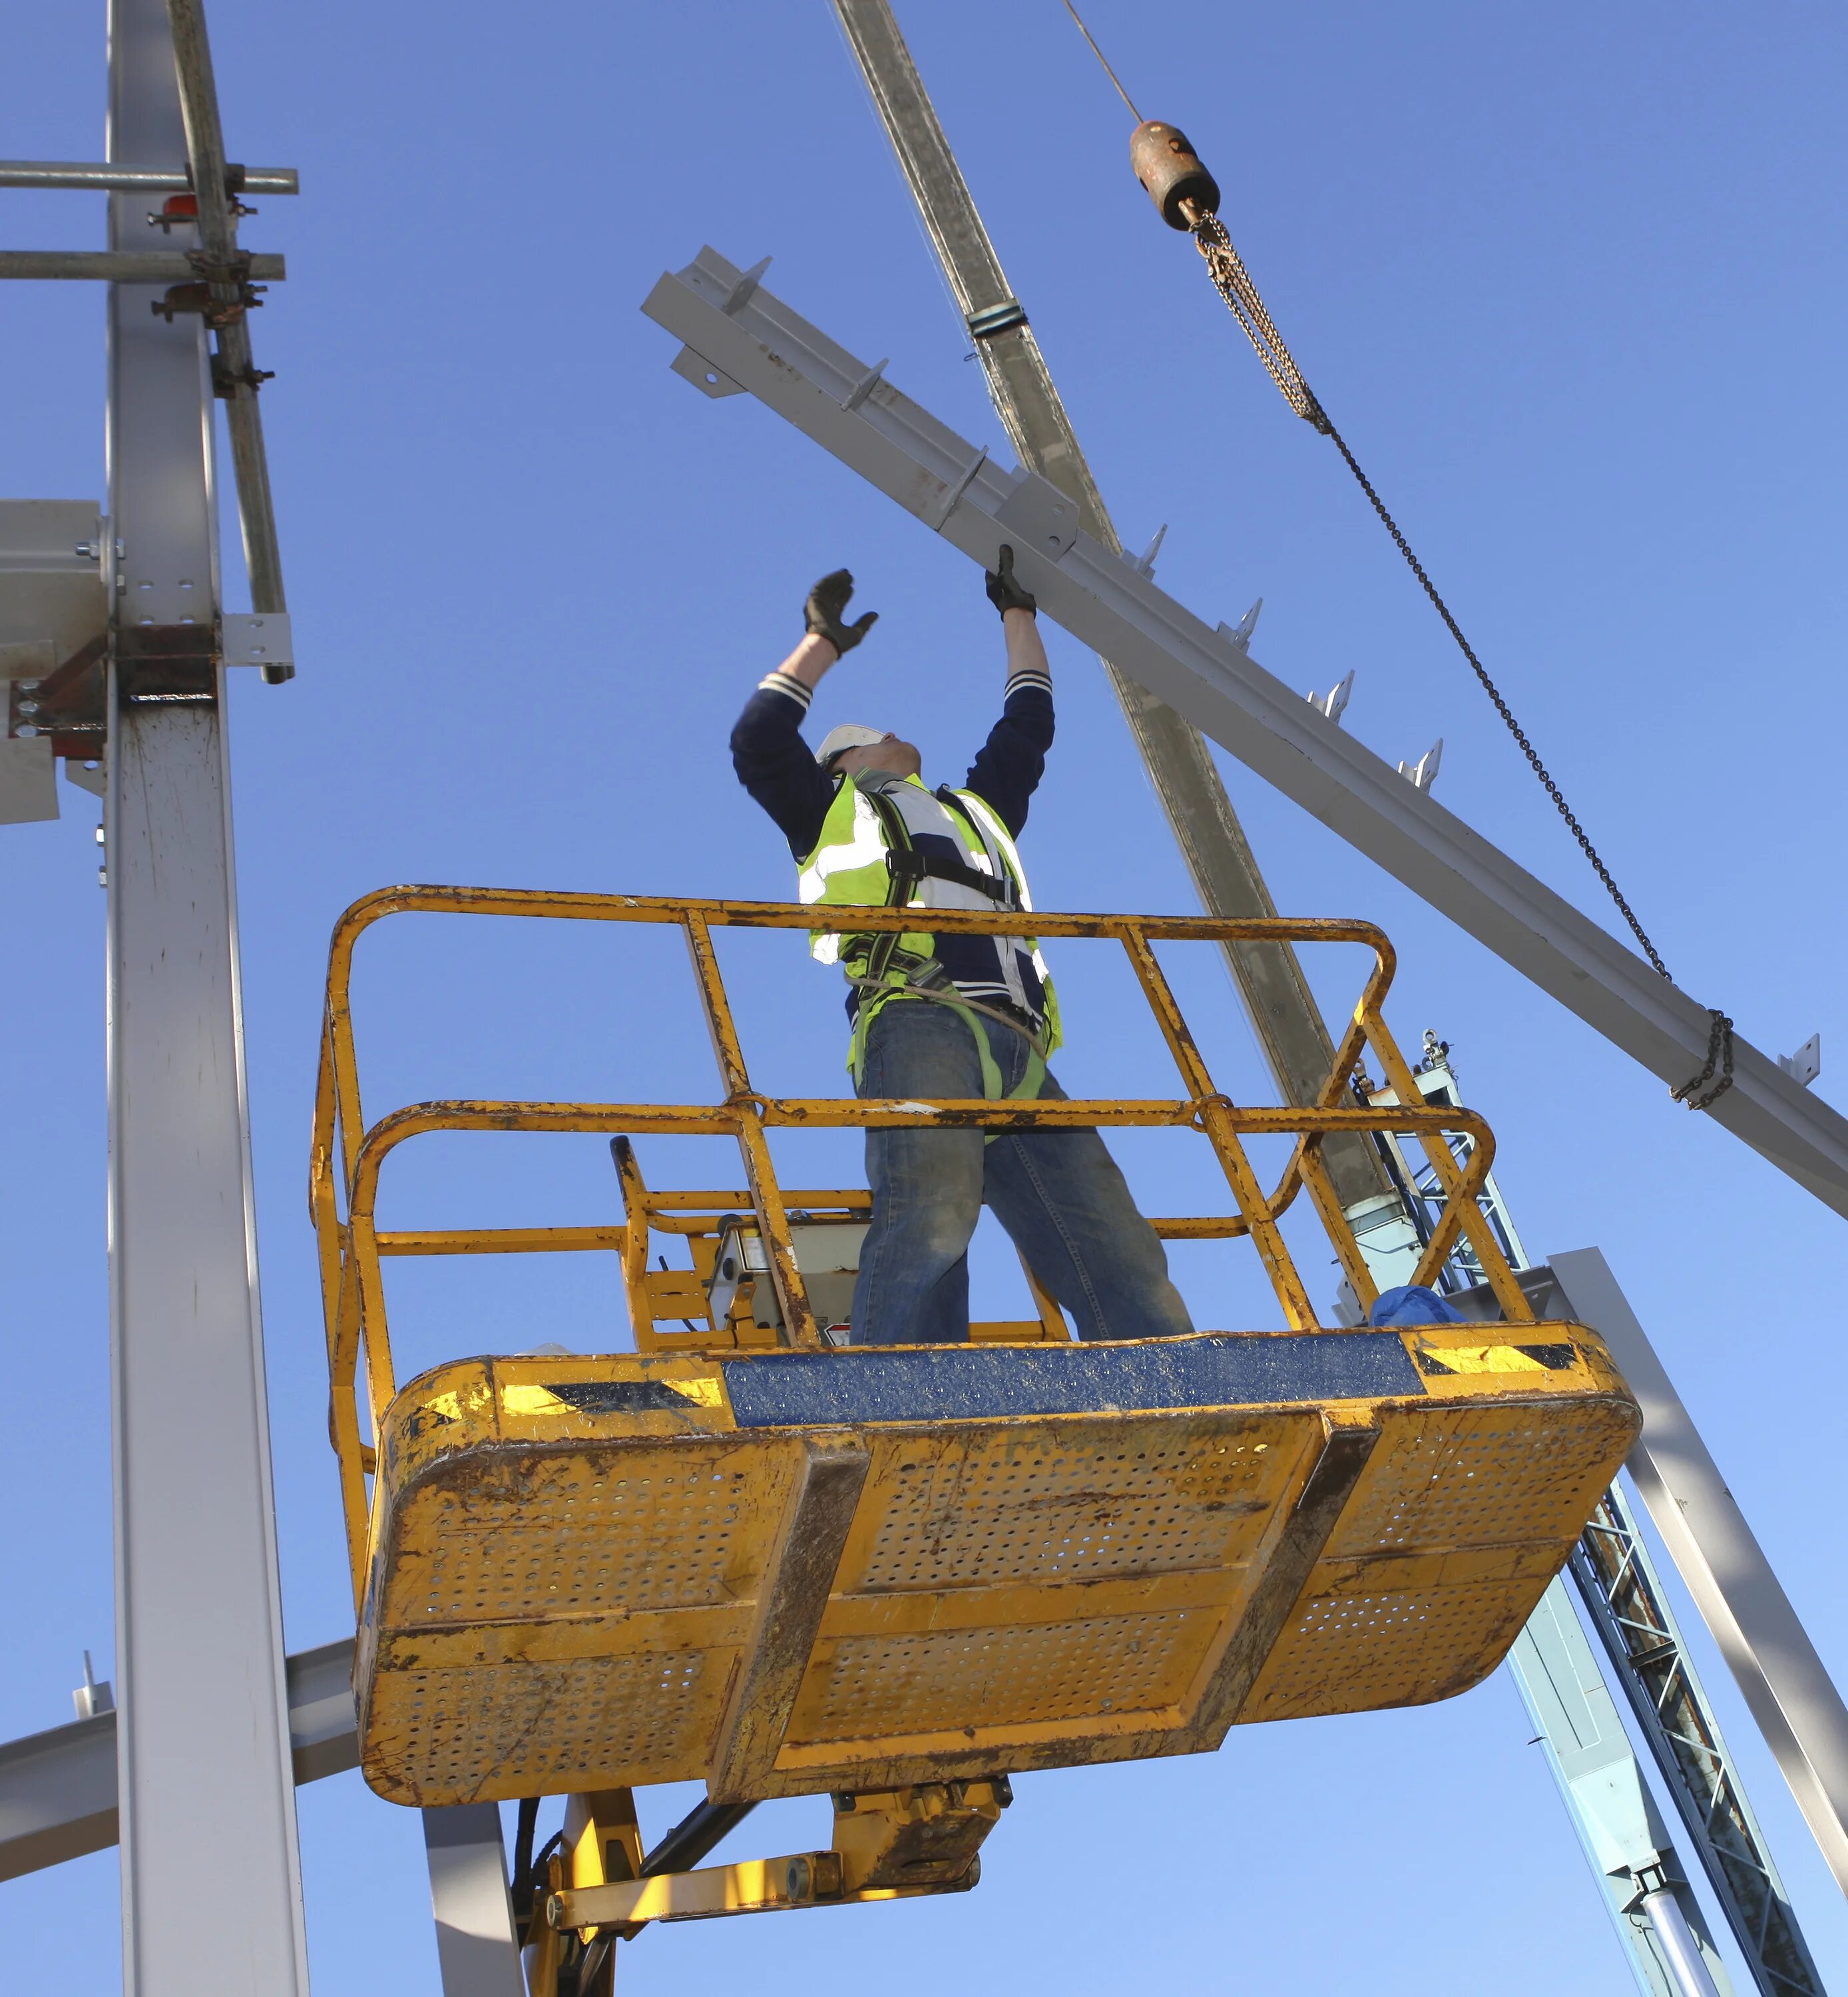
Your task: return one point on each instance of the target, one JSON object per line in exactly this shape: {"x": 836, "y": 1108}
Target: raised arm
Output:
{"x": 773, "y": 761}
{"x": 1019, "y": 624}
{"x": 1007, "y": 770}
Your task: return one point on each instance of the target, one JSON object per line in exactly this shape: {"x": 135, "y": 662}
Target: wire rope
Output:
{"x": 1234, "y": 283}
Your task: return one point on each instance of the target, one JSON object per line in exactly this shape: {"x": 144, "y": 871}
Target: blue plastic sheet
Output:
{"x": 1411, "y": 1303}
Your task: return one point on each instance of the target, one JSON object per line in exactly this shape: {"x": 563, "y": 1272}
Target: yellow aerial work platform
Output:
{"x": 736, "y": 1554}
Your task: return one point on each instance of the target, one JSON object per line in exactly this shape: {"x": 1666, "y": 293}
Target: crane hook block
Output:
{"x": 1168, "y": 167}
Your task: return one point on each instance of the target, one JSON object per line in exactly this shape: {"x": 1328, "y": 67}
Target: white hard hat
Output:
{"x": 850, "y": 735}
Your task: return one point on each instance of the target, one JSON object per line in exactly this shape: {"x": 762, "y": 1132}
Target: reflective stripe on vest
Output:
{"x": 848, "y": 867}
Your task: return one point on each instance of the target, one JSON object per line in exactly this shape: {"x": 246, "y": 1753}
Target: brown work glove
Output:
{"x": 1003, "y": 592}
{"x": 827, "y": 601}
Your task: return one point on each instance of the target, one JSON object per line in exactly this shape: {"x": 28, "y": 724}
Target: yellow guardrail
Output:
{"x": 348, "y": 1154}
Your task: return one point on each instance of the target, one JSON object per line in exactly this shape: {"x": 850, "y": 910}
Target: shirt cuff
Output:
{"x": 1019, "y": 682}
{"x": 786, "y": 683}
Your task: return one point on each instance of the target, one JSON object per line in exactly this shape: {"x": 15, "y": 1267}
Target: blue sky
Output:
{"x": 1571, "y": 280}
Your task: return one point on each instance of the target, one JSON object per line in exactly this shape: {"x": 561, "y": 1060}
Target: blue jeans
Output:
{"x": 1059, "y": 1194}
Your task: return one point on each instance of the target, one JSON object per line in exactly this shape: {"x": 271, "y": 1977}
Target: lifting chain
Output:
{"x": 1696, "y": 1094}
{"x": 1233, "y": 281}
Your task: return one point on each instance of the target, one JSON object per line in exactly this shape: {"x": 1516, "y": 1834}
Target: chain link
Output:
{"x": 1234, "y": 283}
{"x": 1696, "y": 1094}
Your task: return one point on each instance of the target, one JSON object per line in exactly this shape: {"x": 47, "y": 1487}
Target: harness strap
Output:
{"x": 923, "y": 978}
{"x": 906, "y": 868}
{"x": 1032, "y": 1078}
{"x": 914, "y": 866}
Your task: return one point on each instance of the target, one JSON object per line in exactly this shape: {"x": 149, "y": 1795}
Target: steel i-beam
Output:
{"x": 478, "y": 1951}
{"x": 58, "y": 1790}
{"x": 210, "y": 1877}
{"x": 1785, "y": 1684}
{"x": 739, "y": 337}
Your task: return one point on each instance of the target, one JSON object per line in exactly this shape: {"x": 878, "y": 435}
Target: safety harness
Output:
{"x": 895, "y": 971}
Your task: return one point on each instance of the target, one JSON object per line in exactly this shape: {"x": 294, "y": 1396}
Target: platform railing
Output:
{"x": 348, "y": 1154}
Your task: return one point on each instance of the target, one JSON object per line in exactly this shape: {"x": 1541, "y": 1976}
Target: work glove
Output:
{"x": 1003, "y": 592}
{"x": 822, "y": 613}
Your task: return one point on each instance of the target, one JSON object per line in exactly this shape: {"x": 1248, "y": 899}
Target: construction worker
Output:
{"x": 948, "y": 1016}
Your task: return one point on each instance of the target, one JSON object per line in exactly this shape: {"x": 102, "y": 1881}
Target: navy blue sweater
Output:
{"x": 779, "y": 770}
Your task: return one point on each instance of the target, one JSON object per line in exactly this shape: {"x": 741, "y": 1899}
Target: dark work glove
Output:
{"x": 822, "y": 613}
{"x": 1003, "y": 592}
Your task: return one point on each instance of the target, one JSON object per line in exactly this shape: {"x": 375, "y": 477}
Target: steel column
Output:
{"x": 1785, "y": 1684}
{"x": 210, "y": 1877}
{"x": 476, "y": 1946}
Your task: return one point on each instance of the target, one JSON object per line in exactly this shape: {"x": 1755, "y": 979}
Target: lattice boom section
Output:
{"x": 1055, "y": 1506}
{"x": 573, "y": 1536}
{"x": 886, "y": 1687}
{"x": 1350, "y": 1652}
{"x": 461, "y": 1735}
{"x": 1471, "y": 1477}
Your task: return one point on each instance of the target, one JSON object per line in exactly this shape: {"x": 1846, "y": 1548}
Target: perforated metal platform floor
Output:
{"x": 795, "y": 1571}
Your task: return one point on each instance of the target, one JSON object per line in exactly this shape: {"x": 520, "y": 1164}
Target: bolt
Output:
{"x": 26, "y": 734}
{"x": 28, "y": 707}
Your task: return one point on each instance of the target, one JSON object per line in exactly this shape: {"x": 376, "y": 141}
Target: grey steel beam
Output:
{"x": 58, "y": 1789}
{"x": 109, "y": 178}
{"x": 1225, "y": 874}
{"x": 206, "y": 1786}
{"x": 1785, "y": 1684}
{"x": 476, "y": 1946}
{"x": 58, "y": 1795}
{"x": 122, "y": 267}
{"x": 234, "y": 370}
{"x": 835, "y": 398}
{"x": 323, "y": 1725}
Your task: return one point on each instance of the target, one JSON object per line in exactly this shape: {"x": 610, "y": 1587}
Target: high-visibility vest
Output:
{"x": 852, "y": 865}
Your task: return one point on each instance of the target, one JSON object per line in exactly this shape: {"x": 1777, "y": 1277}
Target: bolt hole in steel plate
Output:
{"x": 708, "y": 380}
